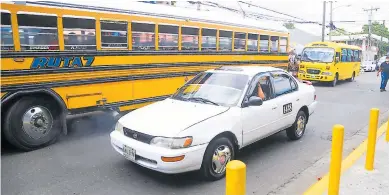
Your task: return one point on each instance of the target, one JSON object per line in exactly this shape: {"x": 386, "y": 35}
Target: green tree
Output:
{"x": 376, "y": 28}
{"x": 380, "y": 30}
{"x": 289, "y": 25}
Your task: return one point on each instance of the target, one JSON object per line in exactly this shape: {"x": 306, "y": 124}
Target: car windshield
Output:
{"x": 312, "y": 54}
{"x": 222, "y": 89}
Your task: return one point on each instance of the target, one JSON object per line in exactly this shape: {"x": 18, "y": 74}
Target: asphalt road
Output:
{"x": 85, "y": 163}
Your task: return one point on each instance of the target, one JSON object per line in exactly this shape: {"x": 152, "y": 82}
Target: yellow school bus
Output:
{"x": 330, "y": 62}
{"x": 59, "y": 58}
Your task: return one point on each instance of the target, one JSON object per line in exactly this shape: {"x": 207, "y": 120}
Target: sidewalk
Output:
{"x": 357, "y": 180}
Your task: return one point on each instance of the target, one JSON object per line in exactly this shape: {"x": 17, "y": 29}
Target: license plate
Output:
{"x": 129, "y": 153}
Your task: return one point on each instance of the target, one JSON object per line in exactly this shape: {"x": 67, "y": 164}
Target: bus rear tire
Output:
{"x": 352, "y": 78}
{"x": 32, "y": 123}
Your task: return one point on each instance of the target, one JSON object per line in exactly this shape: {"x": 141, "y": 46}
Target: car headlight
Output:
{"x": 119, "y": 127}
{"x": 326, "y": 73}
{"x": 172, "y": 143}
{"x": 302, "y": 72}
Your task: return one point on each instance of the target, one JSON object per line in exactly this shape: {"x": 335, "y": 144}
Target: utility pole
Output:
{"x": 324, "y": 21}
{"x": 370, "y": 12}
{"x": 329, "y": 35}
{"x": 383, "y": 24}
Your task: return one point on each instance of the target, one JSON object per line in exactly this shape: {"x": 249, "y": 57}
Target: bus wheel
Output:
{"x": 335, "y": 81}
{"x": 352, "y": 78}
{"x": 32, "y": 123}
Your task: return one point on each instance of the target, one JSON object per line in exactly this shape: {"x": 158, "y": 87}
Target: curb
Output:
{"x": 321, "y": 186}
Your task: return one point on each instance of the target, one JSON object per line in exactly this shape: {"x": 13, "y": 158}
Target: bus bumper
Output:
{"x": 317, "y": 77}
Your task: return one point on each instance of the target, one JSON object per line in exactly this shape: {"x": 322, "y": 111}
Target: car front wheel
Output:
{"x": 297, "y": 130}
{"x": 219, "y": 152}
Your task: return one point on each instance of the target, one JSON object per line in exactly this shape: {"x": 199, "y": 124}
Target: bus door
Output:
{"x": 344, "y": 64}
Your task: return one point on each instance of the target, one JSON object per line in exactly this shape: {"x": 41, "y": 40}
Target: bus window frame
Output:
{"x": 80, "y": 47}
{"x": 37, "y": 47}
{"x": 110, "y": 30}
{"x": 11, "y": 47}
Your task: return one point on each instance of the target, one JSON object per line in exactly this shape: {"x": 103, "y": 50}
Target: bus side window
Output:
{"x": 38, "y": 32}
{"x": 114, "y": 34}
{"x": 189, "y": 38}
{"x": 240, "y": 41}
{"x": 143, "y": 36}
{"x": 283, "y": 44}
{"x": 79, "y": 33}
{"x": 274, "y": 44}
{"x": 7, "y": 43}
{"x": 252, "y": 44}
{"x": 344, "y": 55}
{"x": 225, "y": 40}
{"x": 167, "y": 37}
{"x": 356, "y": 56}
{"x": 264, "y": 43}
{"x": 208, "y": 39}
{"x": 350, "y": 55}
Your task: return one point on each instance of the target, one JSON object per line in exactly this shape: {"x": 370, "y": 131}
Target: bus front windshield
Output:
{"x": 312, "y": 54}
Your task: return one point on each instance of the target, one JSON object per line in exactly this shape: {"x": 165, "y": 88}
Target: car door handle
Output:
{"x": 298, "y": 100}
{"x": 274, "y": 108}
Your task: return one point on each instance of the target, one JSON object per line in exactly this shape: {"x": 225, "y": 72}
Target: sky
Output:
{"x": 310, "y": 10}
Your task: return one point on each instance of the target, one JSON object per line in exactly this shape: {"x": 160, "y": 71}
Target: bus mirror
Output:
{"x": 336, "y": 59}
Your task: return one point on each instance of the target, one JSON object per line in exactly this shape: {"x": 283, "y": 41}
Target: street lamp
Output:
{"x": 331, "y": 10}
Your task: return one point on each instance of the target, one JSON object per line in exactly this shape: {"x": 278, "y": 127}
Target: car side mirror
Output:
{"x": 254, "y": 101}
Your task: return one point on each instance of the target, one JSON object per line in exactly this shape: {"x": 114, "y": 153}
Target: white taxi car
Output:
{"x": 204, "y": 124}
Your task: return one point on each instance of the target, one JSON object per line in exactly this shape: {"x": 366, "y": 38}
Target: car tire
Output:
{"x": 335, "y": 81}
{"x": 210, "y": 170}
{"x": 297, "y": 130}
{"x": 352, "y": 78}
{"x": 32, "y": 123}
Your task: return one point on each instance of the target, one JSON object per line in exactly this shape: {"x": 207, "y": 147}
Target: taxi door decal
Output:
{"x": 287, "y": 108}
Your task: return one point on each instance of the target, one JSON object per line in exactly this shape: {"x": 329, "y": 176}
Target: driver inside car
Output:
{"x": 263, "y": 88}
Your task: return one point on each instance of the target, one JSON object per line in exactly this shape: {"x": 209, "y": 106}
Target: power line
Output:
{"x": 252, "y": 14}
{"x": 250, "y": 4}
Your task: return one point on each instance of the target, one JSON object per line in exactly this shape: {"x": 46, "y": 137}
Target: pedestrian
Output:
{"x": 293, "y": 65}
{"x": 384, "y": 70}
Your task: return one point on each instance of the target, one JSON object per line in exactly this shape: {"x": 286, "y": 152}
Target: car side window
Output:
{"x": 283, "y": 84}
{"x": 293, "y": 84}
{"x": 262, "y": 80}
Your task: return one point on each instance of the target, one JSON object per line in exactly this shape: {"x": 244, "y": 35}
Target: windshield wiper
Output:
{"x": 203, "y": 100}
{"x": 307, "y": 59}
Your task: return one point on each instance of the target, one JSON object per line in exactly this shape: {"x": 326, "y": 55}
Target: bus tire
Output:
{"x": 32, "y": 123}
{"x": 335, "y": 81}
{"x": 352, "y": 78}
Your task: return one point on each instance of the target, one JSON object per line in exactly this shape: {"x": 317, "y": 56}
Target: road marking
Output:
{"x": 321, "y": 186}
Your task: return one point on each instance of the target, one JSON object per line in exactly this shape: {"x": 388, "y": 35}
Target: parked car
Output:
{"x": 369, "y": 66}
{"x": 214, "y": 115}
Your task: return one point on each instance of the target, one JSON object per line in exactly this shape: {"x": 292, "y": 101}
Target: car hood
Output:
{"x": 169, "y": 117}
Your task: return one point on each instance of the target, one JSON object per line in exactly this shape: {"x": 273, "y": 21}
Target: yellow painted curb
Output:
{"x": 321, "y": 186}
